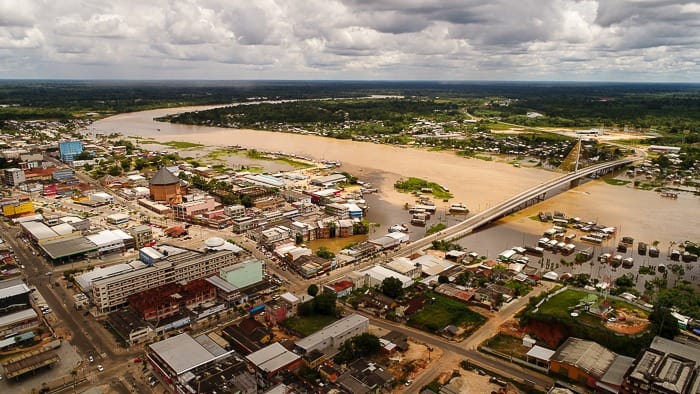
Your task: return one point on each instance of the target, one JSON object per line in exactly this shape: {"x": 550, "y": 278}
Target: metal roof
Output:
{"x": 540, "y": 353}
{"x": 17, "y": 317}
{"x": 67, "y": 247}
{"x": 10, "y": 291}
{"x": 164, "y": 177}
{"x": 182, "y": 353}
{"x": 272, "y": 357}
{"x": 332, "y": 330}
{"x": 588, "y": 356}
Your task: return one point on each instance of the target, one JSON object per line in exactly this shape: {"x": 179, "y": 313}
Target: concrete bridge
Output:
{"x": 513, "y": 204}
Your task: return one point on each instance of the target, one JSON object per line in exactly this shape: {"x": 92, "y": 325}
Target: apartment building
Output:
{"x": 111, "y": 292}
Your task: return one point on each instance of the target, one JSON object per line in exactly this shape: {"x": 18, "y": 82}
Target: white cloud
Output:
{"x": 373, "y": 39}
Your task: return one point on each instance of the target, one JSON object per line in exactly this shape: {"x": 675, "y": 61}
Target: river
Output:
{"x": 479, "y": 184}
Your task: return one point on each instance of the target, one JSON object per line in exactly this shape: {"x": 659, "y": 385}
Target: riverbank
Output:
{"x": 476, "y": 183}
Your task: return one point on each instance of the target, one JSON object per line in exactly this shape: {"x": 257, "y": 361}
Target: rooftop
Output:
{"x": 272, "y": 357}
{"x": 65, "y": 247}
{"x": 183, "y": 353}
{"x": 164, "y": 177}
{"x": 588, "y": 356}
{"x": 332, "y": 330}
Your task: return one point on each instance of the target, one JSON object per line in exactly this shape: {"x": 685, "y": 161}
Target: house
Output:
{"x": 274, "y": 359}
{"x": 340, "y": 289}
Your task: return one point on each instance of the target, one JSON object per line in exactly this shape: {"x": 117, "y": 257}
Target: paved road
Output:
{"x": 467, "y": 348}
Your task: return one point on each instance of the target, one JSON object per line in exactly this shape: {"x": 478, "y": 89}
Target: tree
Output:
{"x": 323, "y": 252}
{"x": 115, "y": 170}
{"x": 626, "y": 280}
{"x": 360, "y": 346}
{"x": 392, "y": 287}
{"x": 312, "y": 290}
{"x": 324, "y": 304}
{"x": 663, "y": 323}
{"x": 443, "y": 279}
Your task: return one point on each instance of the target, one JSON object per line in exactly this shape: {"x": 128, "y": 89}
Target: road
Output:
{"x": 467, "y": 348}
{"x": 86, "y": 334}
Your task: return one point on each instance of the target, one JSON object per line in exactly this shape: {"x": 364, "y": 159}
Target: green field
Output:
{"x": 308, "y": 325}
{"x": 507, "y": 344}
{"x": 443, "y": 312}
{"x": 416, "y": 184}
{"x": 180, "y": 144}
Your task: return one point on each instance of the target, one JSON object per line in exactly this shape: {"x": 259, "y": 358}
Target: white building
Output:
{"x": 404, "y": 266}
{"x": 102, "y": 198}
{"x": 14, "y": 176}
{"x": 178, "y": 265}
{"x": 374, "y": 276}
{"x": 335, "y": 334}
{"x": 432, "y": 265}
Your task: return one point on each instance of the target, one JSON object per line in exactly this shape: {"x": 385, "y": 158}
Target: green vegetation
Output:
{"x": 312, "y": 290}
{"x": 445, "y": 246}
{"x": 444, "y": 311}
{"x": 307, "y": 325}
{"x": 392, "y": 287}
{"x": 557, "y": 311}
{"x": 323, "y": 252}
{"x": 362, "y": 345}
{"x": 616, "y": 182}
{"x": 322, "y": 304}
{"x": 256, "y": 155}
{"x": 437, "y": 227}
{"x": 416, "y": 185}
{"x": 362, "y": 116}
{"x": 508, "y": 345}
{"x": 181, "y": 144}
{"x": 682, "y": 296}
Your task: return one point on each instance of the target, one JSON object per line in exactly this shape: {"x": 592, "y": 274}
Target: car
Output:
{"x": 408, "y": 382}
{"x": 91, "y": 359}
{"x": 100, "y": 368}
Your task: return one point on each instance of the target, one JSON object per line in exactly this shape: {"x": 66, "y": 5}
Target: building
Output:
{"x": 69, "y": 150}
{"x": 19, "y": 208}
{"x": 14, "y": 296}
{"x": 273, "y": 359}
{"x": 432, "y": 265}
{"x": 235, "y": 211}
{"x": 18, "y": 322}
{"x": 340, "y": 289}
{"x": 404, "y": 266}
{"x": 195, "y": 205}
{"x": 329, "y": 181}
{"x": 664, "y": 149}
{"x": 66, "y": 175}
{"x": 264, "y": 180}
{"x": 165, "y": 186}
{"x": 334, "y": 334}
{"x": 110, "y": 241}
{"x": 374, "y": 276}
{"x": 117, "y": 218}
{"x": 665, "y": 367}
{"x": 142, "y": 234}
{"x": 112, "y": 291}
{"x": 582, "y": 361}
{"x": 14, "y": 176}
{"x": 182, "y": 358}
{"x": 170, "y": 299}
{"x": 243, "y": 274}
{"x": 101, "y": 198}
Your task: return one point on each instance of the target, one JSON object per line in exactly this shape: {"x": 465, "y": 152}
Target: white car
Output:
{"x": 100, "y": 368}
{"x": 91, "y": 359}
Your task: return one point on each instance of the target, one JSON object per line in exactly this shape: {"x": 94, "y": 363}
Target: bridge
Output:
{"x": 513, "y": 204}
{"x": 504, "y": 208}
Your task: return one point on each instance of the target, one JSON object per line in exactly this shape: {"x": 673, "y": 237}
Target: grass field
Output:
{"x": 180, "y": 144}
{"x": 444, "y": 311}
{"x": 308, "y": 325}
{"x": 507, "y": 344}
{"x": 616, "y": 182}
{"x": 416, "y": 184}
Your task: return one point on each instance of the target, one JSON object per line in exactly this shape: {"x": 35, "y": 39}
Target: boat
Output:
{"x": 459, "y": 208}
{"x": 419, "y": 219}
{"x": 398, "y": 228}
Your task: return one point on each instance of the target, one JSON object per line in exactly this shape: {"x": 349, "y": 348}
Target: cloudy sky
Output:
{"x": 612, "y": 40}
